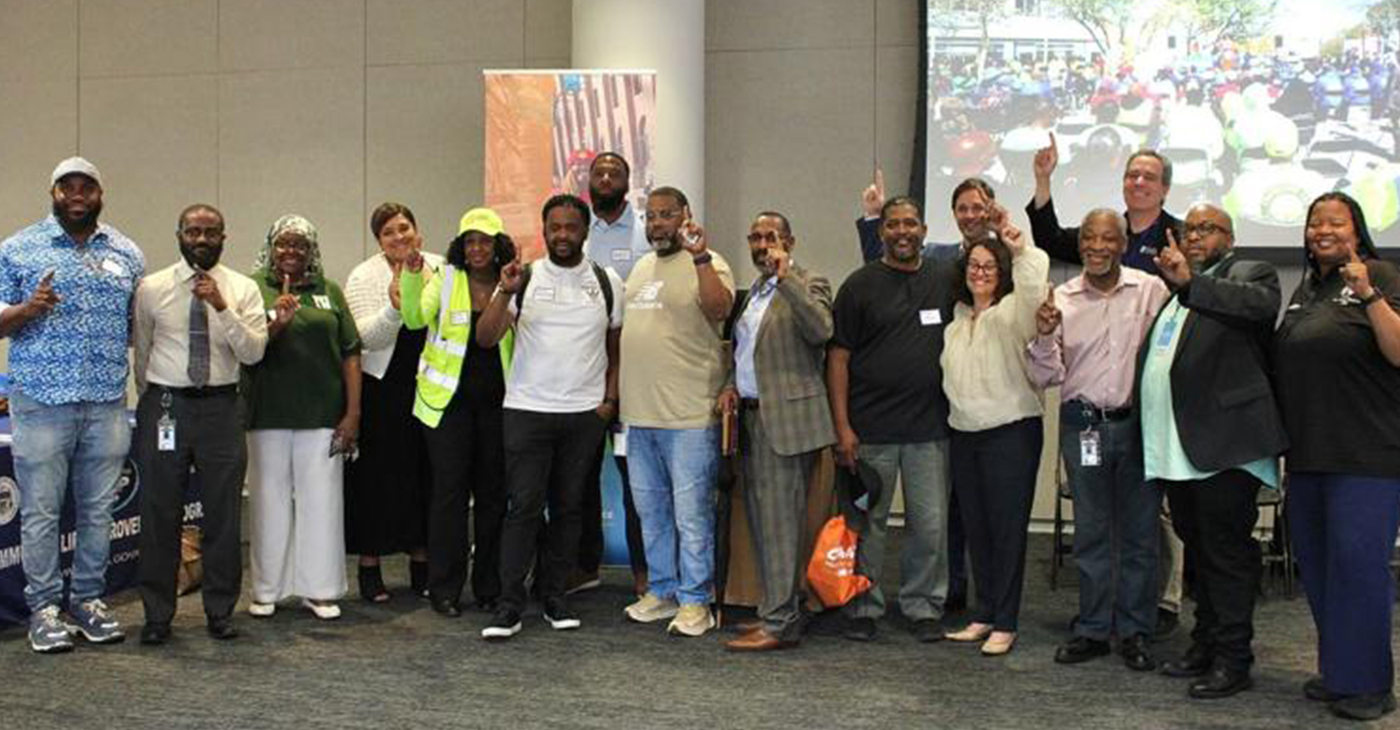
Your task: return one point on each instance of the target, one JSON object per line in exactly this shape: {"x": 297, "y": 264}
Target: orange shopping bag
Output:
{"x": 832, "y": 570}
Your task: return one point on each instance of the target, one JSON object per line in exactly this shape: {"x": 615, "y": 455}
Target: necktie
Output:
{"x": 199, "y": 343}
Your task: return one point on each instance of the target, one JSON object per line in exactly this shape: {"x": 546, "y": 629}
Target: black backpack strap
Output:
{"x": 606, "y": 284}
{"x": 524, "y": 284}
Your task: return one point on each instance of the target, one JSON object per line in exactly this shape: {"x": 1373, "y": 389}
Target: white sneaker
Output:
{"x": 649, "y": 608}
{"x": 261, "y": 610}
{"x": 692, "y": 619}
{"x": 324, "y": 610}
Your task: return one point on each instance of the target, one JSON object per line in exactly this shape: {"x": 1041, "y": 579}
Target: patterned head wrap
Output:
{"x": 291, "y": 223}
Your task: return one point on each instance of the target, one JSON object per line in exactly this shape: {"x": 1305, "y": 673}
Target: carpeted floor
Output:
{"x": 399, "y": 665}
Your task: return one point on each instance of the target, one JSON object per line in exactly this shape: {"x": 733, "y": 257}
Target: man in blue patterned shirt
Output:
{"x": 72, "y": 279}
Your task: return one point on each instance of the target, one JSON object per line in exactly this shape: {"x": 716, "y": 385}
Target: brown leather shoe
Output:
{"x": 747, "y": 626}
{"x": 758, "y": 640}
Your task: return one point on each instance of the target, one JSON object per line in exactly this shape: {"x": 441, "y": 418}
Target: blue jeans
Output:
{"x": 77, "y": 446}
{"x": 673, "y": 486}
{"x": 1116, "y": 528}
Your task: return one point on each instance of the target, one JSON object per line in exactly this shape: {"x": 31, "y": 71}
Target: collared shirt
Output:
{"x": 77, "y": 352}
{"x": 1163, "y": 455}
{"x": 161, "y": 345}
{"x": 746, "y": 335}
{"x": 1093, "y": 355}
{"x": 620, "y": 244}
{"x": 367, "y": 292}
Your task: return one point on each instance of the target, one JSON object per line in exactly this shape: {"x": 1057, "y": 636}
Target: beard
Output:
{"x": 609, "y": 203}
{"x": 201, "y": 257}
{"x": 86, "y": 222}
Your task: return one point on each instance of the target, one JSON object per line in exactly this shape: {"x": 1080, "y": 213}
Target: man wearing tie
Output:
{"x": 778, "y": 387}
{"x": 195, "y": 323}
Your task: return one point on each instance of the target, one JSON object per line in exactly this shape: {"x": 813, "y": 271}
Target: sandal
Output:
{"x": 372, "y": 584}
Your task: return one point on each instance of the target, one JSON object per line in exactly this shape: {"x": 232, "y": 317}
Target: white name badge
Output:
{"x": 542, "y": 293}
{"x": 322, "y": 301}
{"x": 165, "y": 433}
{"x": 112, "y": 267}
{"x": 1089, "y": 448}
{"x": 930, "y": 317}
{"x": 621, "y": 254}
{"x": 461, "y": 317}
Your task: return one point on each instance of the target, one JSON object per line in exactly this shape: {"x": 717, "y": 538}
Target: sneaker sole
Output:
{"x": 500, "y": 633}
{"x": 52, "y": 649}
{"x": 650, "y": 618}
{"x": 563, "y": 624}
{"x": 675, "y": 630}
{"x": 99, "y": 639}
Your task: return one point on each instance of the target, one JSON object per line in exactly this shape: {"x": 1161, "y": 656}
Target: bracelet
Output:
{"x": 703, "y": 259}
{"x": 1376, "y": 296}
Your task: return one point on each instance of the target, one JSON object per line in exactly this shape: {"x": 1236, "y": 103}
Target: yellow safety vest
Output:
{"x": 443, "y": 304}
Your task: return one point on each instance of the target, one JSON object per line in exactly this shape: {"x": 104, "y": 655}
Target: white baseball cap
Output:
{"x": 76, "y": 165}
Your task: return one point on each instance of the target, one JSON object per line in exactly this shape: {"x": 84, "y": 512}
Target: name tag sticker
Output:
{"x": 1089, "y": 448}
{"x": 112, "y": 267}
{"x": 930, "y": 317}
{"x": 461, "y": 317}
{"x": 621, "y": 254}
{"x": 322, "y": 301}
{"x": 542, "y": 293}
{"x": 1164, "y": 339}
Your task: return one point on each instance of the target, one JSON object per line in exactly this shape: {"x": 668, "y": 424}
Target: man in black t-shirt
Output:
{"x": 889, "y": 410}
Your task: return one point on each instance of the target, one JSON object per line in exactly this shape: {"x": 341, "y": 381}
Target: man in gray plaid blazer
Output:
{"x": 777, "y": 386}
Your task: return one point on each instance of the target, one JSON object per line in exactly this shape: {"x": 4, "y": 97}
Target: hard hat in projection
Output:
{"x": 1378, "y": 193}
{"x": 1275, "y": 195}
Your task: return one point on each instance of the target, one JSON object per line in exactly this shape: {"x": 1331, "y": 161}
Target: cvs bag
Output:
{"x": 832, "y": 570}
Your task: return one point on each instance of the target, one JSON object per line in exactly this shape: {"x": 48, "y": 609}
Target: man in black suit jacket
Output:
{"x": 1212, "y": 433}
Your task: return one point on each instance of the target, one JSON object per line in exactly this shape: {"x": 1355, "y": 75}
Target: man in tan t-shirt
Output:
{"x": 678, "y": 297}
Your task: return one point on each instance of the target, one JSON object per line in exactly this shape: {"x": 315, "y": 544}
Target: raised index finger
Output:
{"x": 1052, "y": 145}
{"x": 880, "y": 181}
{"x": 286, "y": 283}
{"x": 1171, "y": 238}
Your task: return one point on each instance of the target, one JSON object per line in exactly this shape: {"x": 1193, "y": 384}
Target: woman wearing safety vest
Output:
{"x": 460, "y": 389}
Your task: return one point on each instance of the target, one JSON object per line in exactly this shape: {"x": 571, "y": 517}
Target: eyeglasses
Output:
{"x": 1202, "y": 229}
{"x": 668, "y": 214}
{"x": 766, "y": 237}
{"x": 982, "y": 268}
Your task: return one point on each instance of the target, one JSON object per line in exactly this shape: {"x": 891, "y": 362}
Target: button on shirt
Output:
{"x": 1093, "y": 356}
{"x": 746, "y": 333}
{"x": 77, "y": 352}
{"x": 1163, "y": 455}
{"x": 620, "y": 244}
{"x": 237, "y": 335}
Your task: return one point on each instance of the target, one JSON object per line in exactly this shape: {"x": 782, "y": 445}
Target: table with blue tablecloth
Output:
{"x": 126, "y": 529}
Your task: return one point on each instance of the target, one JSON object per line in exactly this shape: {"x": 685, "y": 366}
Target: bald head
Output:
{"x": 1207, "y": 235}
{"x": 1103, "y": 238}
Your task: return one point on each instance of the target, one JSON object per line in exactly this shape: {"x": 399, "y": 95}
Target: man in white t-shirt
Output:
{"x": 561, "y": 394}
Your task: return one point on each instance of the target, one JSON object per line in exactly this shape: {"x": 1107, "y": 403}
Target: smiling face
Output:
{"x": 77, "y": 201}
{"x": 479, "y": 249}
{"x": 902, "y": 233}
{"x": 1101, "y": 244}
{"x": 1331, "y": 234}
{"x": 973, "y": 212}
{"x": 291, "y": 253}
{"x": 1143, "y": 186}
{"x": 398, "y": 239}
{"x": 983, "y": 273}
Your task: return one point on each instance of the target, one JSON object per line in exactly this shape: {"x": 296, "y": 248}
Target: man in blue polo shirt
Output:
{"x": 73, "y": 279}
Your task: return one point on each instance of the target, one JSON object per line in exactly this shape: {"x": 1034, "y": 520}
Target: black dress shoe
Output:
{"x": 446, "y": 607}
{"x": 221, "y": 628}
{"x": 861, "y": 629}
{"x": 1136, "y": 655}
{"x": 1364, "y": 707}
{"x": 154, "y": 634}
{"x": 1315, "y": 689}
{"x": 1222, "y": 681}
{"x": 1081, "y": 649}
{"x": 1194, "y": 663}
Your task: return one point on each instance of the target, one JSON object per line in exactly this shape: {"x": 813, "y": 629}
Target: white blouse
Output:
{"x": 367, "y": 292}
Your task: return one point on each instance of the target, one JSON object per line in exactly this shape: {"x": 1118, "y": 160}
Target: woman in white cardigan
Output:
{"x": 995, "y": 419}
{"x": 386, "y": 489}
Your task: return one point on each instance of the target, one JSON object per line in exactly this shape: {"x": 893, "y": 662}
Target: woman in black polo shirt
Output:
{"x": 1338, "y": 371}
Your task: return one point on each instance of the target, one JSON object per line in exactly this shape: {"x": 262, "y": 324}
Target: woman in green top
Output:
{"x": 303, "y": 403}
{"x": 460, "y": 389}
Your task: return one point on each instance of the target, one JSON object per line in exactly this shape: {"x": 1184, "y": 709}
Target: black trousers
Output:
{"x": 208, "y": 437}
{"x": 548, "y": 459}
{"x": 590, "y": 544}
{"x": 467, "y": 456}
{"x": 1214, "y": 517}
{"x": 994, "y": 475}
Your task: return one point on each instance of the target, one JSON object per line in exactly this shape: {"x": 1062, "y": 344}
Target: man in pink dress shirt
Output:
{"x": 1088, "y": 333}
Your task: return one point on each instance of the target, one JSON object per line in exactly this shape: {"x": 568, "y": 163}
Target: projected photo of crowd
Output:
{"x": 1260, "y": 104}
